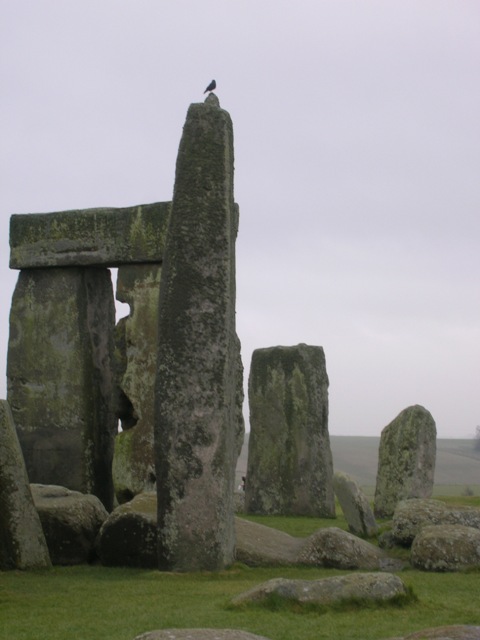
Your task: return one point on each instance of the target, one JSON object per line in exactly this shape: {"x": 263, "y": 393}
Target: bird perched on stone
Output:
{"x": 211, "y": 86}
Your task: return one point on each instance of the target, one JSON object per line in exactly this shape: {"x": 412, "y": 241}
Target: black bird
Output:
{"x": 211, "y": 86}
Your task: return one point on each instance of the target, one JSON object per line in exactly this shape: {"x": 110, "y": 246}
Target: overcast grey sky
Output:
{"x": 357, "y": 157}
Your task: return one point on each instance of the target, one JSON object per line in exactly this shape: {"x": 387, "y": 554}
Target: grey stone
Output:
{"x": 406, "y": 461}
{"x": 260, "y": 546}
{"x": 366, "y": 587}
{"x": 70, "y": 521}
{"x": 89, "y": 237}
{"x": 452, "y": 632}
{"x": 289, "y": 458}
{"x": 355, "y": 506}
{"x": 411, "y": 516}
{"x": 128, "y": 537}
{"x": 22, "y": 541}
{"x": 448, "y": 547}
{"x": 199, "y": 634}
{"x": 198, "y": 423}
{"x": 60, "y": 379}
{"x": 134, "y": 460}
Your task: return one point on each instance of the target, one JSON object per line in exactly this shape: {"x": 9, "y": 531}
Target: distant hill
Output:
{"x": 458, "y": 463}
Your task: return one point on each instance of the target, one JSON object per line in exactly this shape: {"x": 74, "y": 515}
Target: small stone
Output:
{"x": 355, "y": 506}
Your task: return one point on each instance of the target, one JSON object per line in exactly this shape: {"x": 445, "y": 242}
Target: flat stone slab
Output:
{"x": 89, "y": 237}
{"x": 371, "y": 587}
{"x": 199, "y": 634}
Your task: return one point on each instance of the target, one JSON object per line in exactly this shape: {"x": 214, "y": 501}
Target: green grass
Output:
{"x": 93, "y": 602}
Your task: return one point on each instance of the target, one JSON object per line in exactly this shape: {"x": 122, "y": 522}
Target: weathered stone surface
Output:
{"x": 134, "y": 461}
{"x": 367, "y": 587}
{"x": 355, "y": 506}
{"x": 22, "y": 542}
{"x": 70, "y": 521}
{"x": 89, "y": 237}
{"x": 197, "y": 429}
{"x": 258, "y": 545}
{"x": 447, "y": 547}
{"x": 406, "y": 461}
{"x": 289, "y": 458}
{"x": 59, "y": 377}
{"x": 128, "y": 537}
{"x": 333, "y": 547}
{"x": 452, "y": 632}
{"x": 199, "y": 634}
{"x": 411, "y": 516}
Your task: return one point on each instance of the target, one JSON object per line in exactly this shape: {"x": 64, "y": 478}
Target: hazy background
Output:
{"x": 357, "y": 142}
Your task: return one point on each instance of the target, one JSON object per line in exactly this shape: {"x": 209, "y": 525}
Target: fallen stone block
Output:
{"x": 452, "y": 632}
{"x": 199, "y": 634}
{"x": 355, "y": 506}
{"x": 446, "y": 547}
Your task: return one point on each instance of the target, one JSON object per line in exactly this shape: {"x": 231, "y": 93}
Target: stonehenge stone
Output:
{"x": 134, "y": 460}
{"x": 355, "y": 587}
{"x": 89, "y": 237}
{"x": 70, "y": 520}
{"x": 199, "y": 634}
{"x": 411, "y": 516}
{"x": 447, "y": 547}
{"x": 450, "y": 632}
{"x": 198, "y": 424}
{"x": 59, "y": 377}
{"x": 355, "y": 506}
{"x": 406, "y": 460}
{"x": 22, "y": 541}
{"x": 290, "y": 468}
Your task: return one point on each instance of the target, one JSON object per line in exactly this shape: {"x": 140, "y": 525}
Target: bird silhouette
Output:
{"x": 211, "y": 86}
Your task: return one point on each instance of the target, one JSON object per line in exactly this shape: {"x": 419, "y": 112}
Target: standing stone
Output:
{"x": 290, "y": 467}
{"x": 197, "y": 422}
{"x": 59, "y": 378}
{"x": 406, "y": 460}
{"x": 134, "y": 461}
{"x": 22, "y": 542}
{"x": 355, "y": 506}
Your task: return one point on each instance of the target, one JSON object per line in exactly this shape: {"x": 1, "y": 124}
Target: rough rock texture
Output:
{"x": 406, "y": 460}
{"x": 59, "y": 377}
{"x": 355, "y": 506}
{"x": 198, "y": 423}
{"x": 70, "y": 521}
{"x": 289, "y": 458}
{"x": 128, "y": 537}
{"x": 89, "y": 237}
{"x": 453, "y": 632}
{"x": 412, "y": 515}
{"x": 447, "y": 547}
{"x": 258, "y": 546}
{"x": 22, "y": 541}
{"x": 134, "y": 460}
{"x": 368, "y": 587}
{"x": 333, "y": 547}
{"x": 199, "y": 634}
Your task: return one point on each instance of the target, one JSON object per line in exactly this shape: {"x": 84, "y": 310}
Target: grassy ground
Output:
{"x": 94, "y": 602}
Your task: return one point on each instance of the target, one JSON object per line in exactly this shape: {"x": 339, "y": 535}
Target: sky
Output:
{"x": 357, "y": 164}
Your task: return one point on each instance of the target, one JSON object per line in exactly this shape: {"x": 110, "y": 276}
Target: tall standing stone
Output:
{"x": 22, "y": 542}
{"x": 134, "y": 461}
{"x": 406, "y": 460}
{"x": 197, "y": 423}
{"x": 290, "y": 467}
{"x": 59, "y": 377}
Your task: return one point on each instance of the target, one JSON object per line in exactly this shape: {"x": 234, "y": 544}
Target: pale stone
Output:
{"x": 198, "y": 424}
{"x": 355, "y": 506}
{"x": 22, "y": 541}
{"x": 59, "y": 377}
{"x": 89, "y": 237}
{"x": 290, "y": 467}
{"x": 406, "y": 460}
{"x": 448, "y": 547}
{"x": 134, "y": 461}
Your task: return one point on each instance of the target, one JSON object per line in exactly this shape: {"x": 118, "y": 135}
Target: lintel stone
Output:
{"x": 89, "y": 237}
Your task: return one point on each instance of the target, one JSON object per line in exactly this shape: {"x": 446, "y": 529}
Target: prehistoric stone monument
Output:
{"x": 198, "y": 426}
{"x": 406, "y": 460}
{"x": 355, "y": 506}
{"x": 174, "y": 361}
{"x": 289, "y": 458}
{"x": 22, "y": 542}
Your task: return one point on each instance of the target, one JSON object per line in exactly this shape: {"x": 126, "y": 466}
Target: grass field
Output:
{"x": 457, "y": 466}
{"x": 99, "y": 603}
